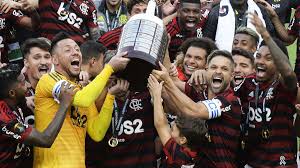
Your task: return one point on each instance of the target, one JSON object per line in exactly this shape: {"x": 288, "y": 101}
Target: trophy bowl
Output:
{"x": 145, "y": 39}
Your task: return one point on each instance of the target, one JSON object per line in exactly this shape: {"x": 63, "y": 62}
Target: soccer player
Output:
{"x": 37, "y": 59}
{"x": 217, "y": 104}
{"x": 269, "y": 99}
{"x": 185, "y": 135}
{"x": 83, "y": 115}
{"x": 129, "y": 141}
{"x": 195, "y": 52}
{"x": 15, "y": 134}
{"x": 246, "y": 39}
{"x": 78, "y": 18}
{"x": 92, "y": 57}
{"x": 244, "y": 65}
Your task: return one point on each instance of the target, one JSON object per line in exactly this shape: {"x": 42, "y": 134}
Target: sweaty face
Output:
{"x": 245, "y": 42}
{"x": 189, "y": 15}
{"x": 38, "y": 62}
{"x": 242, "y": 68}
{"x": 264, "y": 65}
{"x": 194, "y": 59}
{"x": 138, "y": 8}
{"x": 113, "y": 2}
{"x": 219, "y": 74}
{"x": 68, "y": 57}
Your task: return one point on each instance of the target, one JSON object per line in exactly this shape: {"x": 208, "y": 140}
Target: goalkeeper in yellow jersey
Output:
{"x": 68, "y": 149}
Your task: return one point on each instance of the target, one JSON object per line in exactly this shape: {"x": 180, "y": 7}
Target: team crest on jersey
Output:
{"x": 199, "y": 32}
{"x": 270, "y": 94}
{"x": 223, "y": 10}
{"x": 2, "y": 23}
{"x": 84, "y": 8}
{"x": 136, "y": 104}
{"x": 282, "y": 161}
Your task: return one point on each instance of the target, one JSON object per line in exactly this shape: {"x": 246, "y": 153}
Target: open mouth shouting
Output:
{"x": 217, "y": 81}
{"x": 238, "y": 79}
{"x": 190, "y": 23}
{"x": 75, "y": 64}
{"x": 43, "y": 69}
{"x": 260, "y": 71}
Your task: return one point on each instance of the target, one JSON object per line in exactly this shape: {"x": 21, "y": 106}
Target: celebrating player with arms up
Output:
{"x": 83, "y": 115}
{"x": 269, "y": 98}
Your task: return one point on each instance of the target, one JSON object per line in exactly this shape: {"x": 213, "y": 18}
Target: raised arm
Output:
{"x": 98, "y": 124}
{"x": 160, "y": 119}
{"x": 204, "y": 110}
{"x": 280, "y": 59}
{"x": 47, "y": 137}
{"x": 88, "y": 95}
{"x": 279, "y": 27}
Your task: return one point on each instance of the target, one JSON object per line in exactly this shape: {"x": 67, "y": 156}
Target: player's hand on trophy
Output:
{"x": 119, "y": 88}
{"x": 67, "y": 93}
{"x": 155, "y": 88}
{"x": 119, "y": 61}
{"x": 161, "y": 75}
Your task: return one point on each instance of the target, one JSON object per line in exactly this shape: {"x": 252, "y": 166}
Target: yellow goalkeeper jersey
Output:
{"x": 68, "y": 149}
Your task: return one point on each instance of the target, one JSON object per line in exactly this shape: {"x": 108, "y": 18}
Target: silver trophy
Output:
{"x": 145, "y": 39}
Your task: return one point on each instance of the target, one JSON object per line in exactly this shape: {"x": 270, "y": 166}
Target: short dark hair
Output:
{"x": 193, "y": 129}
{"x": 91, "y": 49}
{"x": 279, "y": 43}
{"x": 8, "y": 76}
{"x": 189, "y": 1}
{"x": 248, "y": 31}
{"x": 222, "y": 53}
{"x": 131, "y": 3}
{"x": 244, "y": 53}
{"x": 205, "y": 43}
{"x": 57, "y": 38}
{"x": 34, "y": 42}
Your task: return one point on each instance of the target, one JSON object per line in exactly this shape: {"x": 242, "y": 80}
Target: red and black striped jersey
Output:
{"x": 294, "y": 30}
{"x": 7, "y": 20}
{"x": 111, "y": 38}
{"x": 178, "y": 36}
{"x": 178, "y": 156}
{"x": 136, "y": 137}
{"x": 13, "y": 132}
{"x": 222, "y": 144}
{"x": 76, "y": 21}
{"x": 269, "y": 106}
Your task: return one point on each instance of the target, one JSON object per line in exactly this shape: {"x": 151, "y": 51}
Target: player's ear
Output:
{"x": 12, "y": 93}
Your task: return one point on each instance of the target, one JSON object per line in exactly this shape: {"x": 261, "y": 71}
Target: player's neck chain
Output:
{"x": 116, "y": 122}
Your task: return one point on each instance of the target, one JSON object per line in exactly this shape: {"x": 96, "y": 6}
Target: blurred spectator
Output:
{"x": 111, "y": 14}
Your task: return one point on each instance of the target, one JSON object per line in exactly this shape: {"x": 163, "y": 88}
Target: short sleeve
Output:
{"x": 10, "y": 125}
